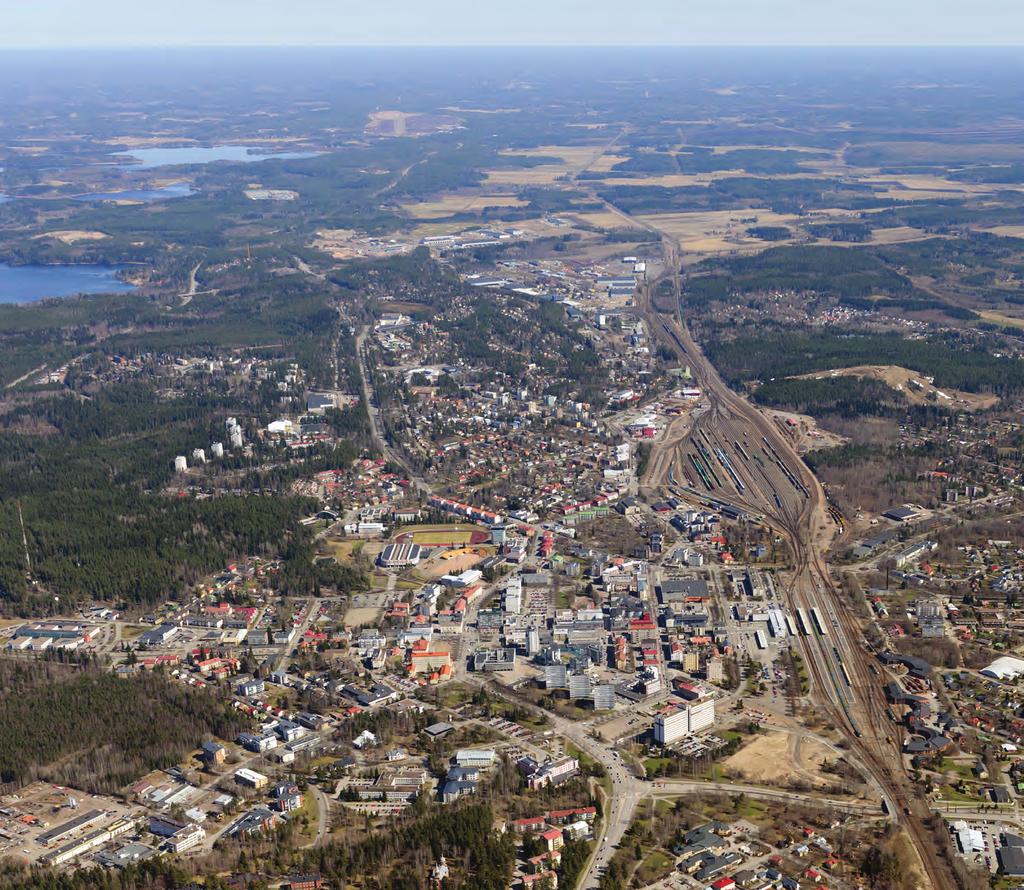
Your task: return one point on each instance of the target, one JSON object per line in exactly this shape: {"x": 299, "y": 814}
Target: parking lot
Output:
{"x": 40, "y": 809}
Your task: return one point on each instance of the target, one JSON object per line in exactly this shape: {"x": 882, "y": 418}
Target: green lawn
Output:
{"x": 751, "y": 809}
{"x": 954, "y": 796}
{"x": 656, "y": 866}
{"x": 651, "y": 764}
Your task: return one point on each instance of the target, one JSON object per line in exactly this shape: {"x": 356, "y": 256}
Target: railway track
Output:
{"x": 779, "y": 487}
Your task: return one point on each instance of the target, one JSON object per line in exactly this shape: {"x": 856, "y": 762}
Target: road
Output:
{"x": 626, "y": 789}
{"x": 323, "y": 815}
{"x": 373, "y": 412}
{"x": 312, "y": 612}
{"x": 736, "y": 454}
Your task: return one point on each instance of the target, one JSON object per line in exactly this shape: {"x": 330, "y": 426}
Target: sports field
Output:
{"x": 443, "y": 536}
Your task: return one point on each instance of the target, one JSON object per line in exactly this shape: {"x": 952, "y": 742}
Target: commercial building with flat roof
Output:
{"x": 396, "y": 556}
{"x": 489, "y": 660}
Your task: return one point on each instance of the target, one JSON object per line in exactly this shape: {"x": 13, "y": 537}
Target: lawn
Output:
{"x": 452, "y": 695}
{"x": 652, "y": 764}
{"x": 954, "y": 796}
{"x": 564, "y": 597}
{"x": 751, "y": 809}
{"x": 655, "y": 867}
{"x": 306, "y": 817}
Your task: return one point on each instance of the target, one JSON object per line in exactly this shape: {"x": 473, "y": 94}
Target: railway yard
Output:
{"x": 735, "y": 458}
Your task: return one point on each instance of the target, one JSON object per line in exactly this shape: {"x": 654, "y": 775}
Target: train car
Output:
{"x": 819, "y": 622}
{"x": 846, "y": 675}
{"x": 762, "y": 643}
{"x": 791, "y": 625}
{"x": 804, "y": 622}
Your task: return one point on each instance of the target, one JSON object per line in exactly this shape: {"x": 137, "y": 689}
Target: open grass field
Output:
{"x": 345, "y": 551}
{"x": 725, "y": 149}
{"x": 655, "y": 867}
{"x": 923, "y": 182}
{"x": 605, "y": 219}
{"x": 569, "y": 159}
{"x": 991, "y": 315}
{"x": 362, "y": 615}
{"x": 73, "y": 236}
{"x": 545, "y": 174}
{"x": 899, "y": 235}
{"x": 452, "y": 204}
{"x": 568, "y": 155}
{"x": 692, "y": 226}
{"x": 769, "y": 759}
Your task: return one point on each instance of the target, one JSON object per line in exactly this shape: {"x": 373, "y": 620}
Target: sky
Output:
{"x": 29, "y": 24}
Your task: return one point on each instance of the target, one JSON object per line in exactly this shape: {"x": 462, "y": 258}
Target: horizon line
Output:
{"x": 536, "y": 46}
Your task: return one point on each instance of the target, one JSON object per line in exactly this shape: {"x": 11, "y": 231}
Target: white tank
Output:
{"x": 180, "y": 463}
{"x": 217, "y": 449}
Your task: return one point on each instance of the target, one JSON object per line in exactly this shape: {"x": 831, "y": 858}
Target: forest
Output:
{"x": 833, "y": 271}
{"x": 87, "y": 465}
{"x": 955, "y": 362}
{"x": 89, "y": 729}
{"x": 846, "y": 396}
{"x": 465, "y": 836}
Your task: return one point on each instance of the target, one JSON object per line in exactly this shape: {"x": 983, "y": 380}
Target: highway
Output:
{"x": 736, "y": 455}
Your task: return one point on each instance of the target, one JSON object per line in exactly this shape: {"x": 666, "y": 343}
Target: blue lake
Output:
{"x": 165, "y": 193}
{"x": 149, "y": 158}
{"x": 26, "y": 284}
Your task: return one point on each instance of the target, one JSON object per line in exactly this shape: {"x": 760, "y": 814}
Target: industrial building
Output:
{"x": 80, "y": 846}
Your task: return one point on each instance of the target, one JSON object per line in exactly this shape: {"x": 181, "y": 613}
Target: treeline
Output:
{"x": 98, "y": 732}
{"x": 160, "y": 873}
{"x": 127, "y": 547}
{"x": 740, "y": 193}
{"x": 842, "y": 231}
{"x": 821, "y": 269}
{"x": 698, "y": 159}
{"x": 770, "y": 233}
{"x": 953, "y": 361}
{"x": 844, "y": 396}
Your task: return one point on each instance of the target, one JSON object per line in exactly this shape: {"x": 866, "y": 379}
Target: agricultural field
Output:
{"x": 455, "y": 204}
